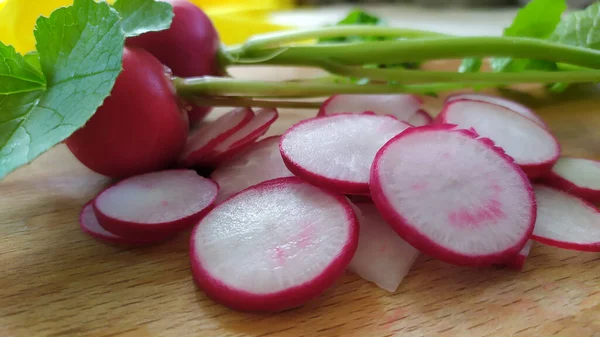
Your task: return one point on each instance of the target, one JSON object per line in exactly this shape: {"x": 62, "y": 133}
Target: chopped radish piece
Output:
{"x": 89, "y": 224}
{"x": 531, "y": 146}
{"x": 518, "y": 261}
{"x": 336, "y": 152}
{"x": 420, "y": 118}
{"x": 273, "y": 246}
{"x": 260, "y": 162}
{"x": 210, "y": 135}
{"x": 512, "y": 105}
{"x": 399, "y": 105}
{"x": 453, "y": 196}
{"x": 155, "y": 205}
{"x": 578, "y": 176}
{"x": 382, "y": 256}
{"x": 566, "y": 221}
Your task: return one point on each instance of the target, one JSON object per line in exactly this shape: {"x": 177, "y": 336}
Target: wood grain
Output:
{"x": 56, "y": 281}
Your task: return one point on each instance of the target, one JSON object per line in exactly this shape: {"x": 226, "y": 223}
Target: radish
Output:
{"x": 453, "y": 196}
{"x": 401, "y": 106}
{"x": 382, "y": 256}
{"x": 501, "y": 101}
{"x": 260, "y": 162}
{"x": 420, "y": 118}
{"x": 155, "y": 205}
{"x": 518, "y": 262}
{"x": 139, "y": 128}
{"x": 532, "y": 147}
{"x": 578, "y": 176}
{"x": 210, "y": 135}
{"x": 566, "y": 221}
{"x": 336, "y": 151}
{"x": 189, "y": 47}
{"x": 273, "y": 246}
{"x": 89, "y": 225}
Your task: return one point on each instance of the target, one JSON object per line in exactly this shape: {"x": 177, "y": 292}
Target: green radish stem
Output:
{"x": 245, "y": 102}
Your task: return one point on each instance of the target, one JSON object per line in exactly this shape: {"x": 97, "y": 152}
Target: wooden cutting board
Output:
{"x": 56, "y": 281}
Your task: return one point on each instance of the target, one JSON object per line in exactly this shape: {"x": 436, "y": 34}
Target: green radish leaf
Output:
{"x": 580, "y": 28}
{"x": 470, "y": 65}
{"x": 141, "y": 16}
{"x": 16, "y": 74}
{"x": 33, "y": 58}
{"x": 358, "y": 17}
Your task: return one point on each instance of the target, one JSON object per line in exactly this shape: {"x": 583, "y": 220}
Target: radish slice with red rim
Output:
{"x": 518, "y": 262}
{"x": 566, "y": 221}
{"x": 273, "y": 246}
{"x": 336, "y": 152}
{"x": 531, "y": 146}
{"x": 382, "y": 257}
{"x": 453, "y": 196}
{"x": 577, "y": 176}
{"x": 420, "y": 118}
{"x": 260, "y": 162}
{"x": 402, "y": 106}
{"x": 155, "y": 205}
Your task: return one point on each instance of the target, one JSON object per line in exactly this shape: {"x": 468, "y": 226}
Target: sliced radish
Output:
{"x": 401, "y": 106}
{"x": 260, "y": 162}
{"x": 518, "y": 262}
{"x": 273, "y": 246}
{"x": 532, "y": 147}
{"x": 155, "y": 205}
{"x": 566, "y": 221}
{"x": 420, "y": 118}
{"x": 89, "y": 225}
{"x": 453, "y": 196}
{"x": 336, "y": 152}
{"x": 578, "y": 176}
{"x": 501, "y": 101}
{"x": 210, "y": 135}
{"x": 382, "y": 256}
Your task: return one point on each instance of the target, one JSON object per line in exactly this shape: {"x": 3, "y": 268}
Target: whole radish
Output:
{"x": 139, "y": 128}
{"x": 189, "y": 47}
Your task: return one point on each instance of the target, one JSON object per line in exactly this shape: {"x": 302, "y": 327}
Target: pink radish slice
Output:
{"x": 210, "y": 135}
{"x": 453, "y": 196}
{"x": 531, "y": 146}
{"x": 89, "y": 225}
{"x": 260, "y": 162}
{"x": 577, "y": 176}
{"x": 501, "y": 101}
{"x": 420, "y": 118}
{"x": 399, "y": 105}
{"x": 336, "y": 152}
{"x": 155, "y": 205}
{"x": 518, "y": 262}
{"x": 273, "y": 246}
{"x": 382, "y": 256}
{"x": 566, "y": 221}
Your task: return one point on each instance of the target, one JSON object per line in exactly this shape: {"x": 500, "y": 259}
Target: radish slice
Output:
{"x": 260, "y": 162}
{"x": 336, "y": 151}
{"x": 519, "y": 261}
{"x": 578, "y": 176}
{"x": 273, "y": 246}
{"x": 210, "y": 135}
{"x": 453, "y": 196}
{"x": 155, "y": 205}
{"x": 501, "y": 101}
{"x": 89, "y": 225}
{"x": 382, "y": 256}
{"x": 399, "y": 105}
{"x": 532, "y": 147}
{"x": 420, "y": 118}
{"x": 566, "y": 221}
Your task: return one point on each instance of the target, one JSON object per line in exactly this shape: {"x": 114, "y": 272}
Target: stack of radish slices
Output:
{"x": 367, "y": 185}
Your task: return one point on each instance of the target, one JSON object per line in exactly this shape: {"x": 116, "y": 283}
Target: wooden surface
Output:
{"x": 56, "y": 281}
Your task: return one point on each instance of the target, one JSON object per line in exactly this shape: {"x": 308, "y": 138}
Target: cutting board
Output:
{"x": 56, "y": 281}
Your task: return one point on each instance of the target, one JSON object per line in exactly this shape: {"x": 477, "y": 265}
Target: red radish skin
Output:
{"x": 577, "y": 176}
{"x": 260, "y": 162}
{"x": 336, "y": 151}
{"x": 453, "y": 196}
{"x": 420, "y": 118}
{"x": 519, "y": 261}
{"x": 139, "y": 128}
{"x": 292, "y": 241}
{"x": 155, "y": 205}
{"x": 402, "y": 106}
{"x": 565, "y": 221}
{"x": 532, "y": 147}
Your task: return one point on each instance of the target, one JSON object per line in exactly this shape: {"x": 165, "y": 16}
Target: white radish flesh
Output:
{"x": 89, "y": 225}
{"x": 336, "y": 152}
{"x": 530, "y": 145}
{"x": 260, "y": 162}
{"x": 382, "y": 257}
{"x": 566, "y": 221}
{"x": 155, "y": 205}
{"x": 420, "y": 118}
{"x": 273, "y": 246}
{"x": 578, "y": 176}
{"x": 399, "y": 105}
{"x": 453, "y": 196}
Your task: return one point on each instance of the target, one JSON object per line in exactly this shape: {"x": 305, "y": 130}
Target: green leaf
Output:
{"x": 141, "y": 16}
{"x": 470, "y": 65}
{"x": 16, "y": 75}
{"x": 580, "y": 28}
{"x": 33, "y": 58}
{"x": 358, "y": 17}
{"x": 80, "y": 49}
